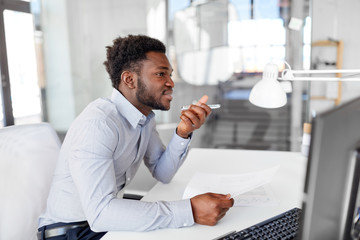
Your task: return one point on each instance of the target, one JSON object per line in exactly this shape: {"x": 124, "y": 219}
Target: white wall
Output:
{"x": 339, "y": 20}
{"x": 76, "y": 33}
{"x": 93, "y": 25}
{"x": 59, "y": 86}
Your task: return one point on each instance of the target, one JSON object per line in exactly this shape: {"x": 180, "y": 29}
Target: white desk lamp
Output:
{"x": 268, "y": 92}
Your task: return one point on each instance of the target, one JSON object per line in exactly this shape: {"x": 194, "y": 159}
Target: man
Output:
{"x": 108, "y": 140}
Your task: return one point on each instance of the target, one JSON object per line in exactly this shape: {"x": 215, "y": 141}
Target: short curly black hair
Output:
{"x": 127, "y": 53}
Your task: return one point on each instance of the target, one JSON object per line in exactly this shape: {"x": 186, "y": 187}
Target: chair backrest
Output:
{"x": 28, "y": 155}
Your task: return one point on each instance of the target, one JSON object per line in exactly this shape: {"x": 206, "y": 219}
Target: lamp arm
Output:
{"x": 268, "y": 93}
{"x": 325, "y": 71}
{"x": 325, "y": 79}
{"x": 288, "y": 74}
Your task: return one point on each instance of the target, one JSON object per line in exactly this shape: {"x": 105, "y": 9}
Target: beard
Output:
{"x": 145, "y": 97}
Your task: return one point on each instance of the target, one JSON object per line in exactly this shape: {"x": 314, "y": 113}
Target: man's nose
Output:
{"x": 170, "y": 82}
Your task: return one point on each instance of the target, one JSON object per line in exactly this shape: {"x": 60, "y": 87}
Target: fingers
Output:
{"x": 221, "y": 215}
{"x": 225, "y": 200}
{"x": 202, "y": 104}
{"x": 228, "y": 203}
{"x": 203, "y": 99}
{"x": 199, "y": 111}
{"x": 194, "y": 121}
{"x": 209, "y": 208}
{"x": 193, "y": 117}
{"x": 219, "y": 195}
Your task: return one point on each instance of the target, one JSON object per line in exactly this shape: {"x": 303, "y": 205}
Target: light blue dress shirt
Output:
{"x": 100, "y": 155}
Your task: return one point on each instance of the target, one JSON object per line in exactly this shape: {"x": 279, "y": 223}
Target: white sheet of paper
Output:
{"x": 235, "y": 184}
{"x": 261, "y": 196}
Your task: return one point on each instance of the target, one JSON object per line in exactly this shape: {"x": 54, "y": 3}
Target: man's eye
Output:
{"x": 161, "y": 74}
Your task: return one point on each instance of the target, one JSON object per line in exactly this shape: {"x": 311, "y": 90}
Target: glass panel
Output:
{"x": 266, "y": 9}
{"x": 259, "y": 32}
{"x": 25, "y": 92}
{"x": 213, "y": 20}
{"x": 249, "y": 59}
{"x": 176, "y": 5}
{"x": 307, "y": 43}
{"x": 1, "y": 110}
{"x": 265, "y": 36}
{"x": 240, "y": 10}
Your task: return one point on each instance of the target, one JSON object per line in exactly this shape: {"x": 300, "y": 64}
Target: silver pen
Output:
{"x": 212, "y": 106}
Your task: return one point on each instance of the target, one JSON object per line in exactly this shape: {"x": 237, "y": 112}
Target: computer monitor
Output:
{"x": 332, "y": 180}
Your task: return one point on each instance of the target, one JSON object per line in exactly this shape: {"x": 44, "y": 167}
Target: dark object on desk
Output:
{"x": 282, "y": 226}
{"x": 132, "y": 196}
{"x": 332, "y": 183}
{"x": 355, "y": 231}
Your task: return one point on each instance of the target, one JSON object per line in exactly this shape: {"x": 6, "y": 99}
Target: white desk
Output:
{"x": 287, "y": 187}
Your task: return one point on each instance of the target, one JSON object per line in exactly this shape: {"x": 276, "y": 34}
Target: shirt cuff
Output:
{"x": 181, "y": 144}
{"x": 182, "y": 210}
{"x": 182, "y": 141}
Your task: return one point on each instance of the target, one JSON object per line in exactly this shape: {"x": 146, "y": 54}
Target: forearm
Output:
{"x": 131, "y": 215}
{"x": 170, "y": 159}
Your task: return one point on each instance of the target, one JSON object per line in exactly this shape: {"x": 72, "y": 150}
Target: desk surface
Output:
{"x": 287, "y": 187}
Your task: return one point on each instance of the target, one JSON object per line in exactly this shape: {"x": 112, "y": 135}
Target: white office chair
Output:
{"x": 28, "y": 155}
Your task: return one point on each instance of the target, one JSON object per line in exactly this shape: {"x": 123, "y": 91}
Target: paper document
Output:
{"x": 261, "y": 196}
{"x": 236, "y": 185}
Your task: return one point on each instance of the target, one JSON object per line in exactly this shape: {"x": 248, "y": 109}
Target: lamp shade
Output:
{"x": 268, "y": 92}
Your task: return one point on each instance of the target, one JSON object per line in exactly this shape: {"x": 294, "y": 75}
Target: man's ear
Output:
{"x": 128, "y": 78}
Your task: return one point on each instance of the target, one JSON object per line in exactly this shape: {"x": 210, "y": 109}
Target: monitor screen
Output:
{"x": 332, "y": 179}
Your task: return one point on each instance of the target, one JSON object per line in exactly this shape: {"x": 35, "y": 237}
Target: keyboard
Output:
{"x": 282, "y": 226}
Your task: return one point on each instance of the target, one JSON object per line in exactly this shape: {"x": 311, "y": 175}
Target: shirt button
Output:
{"x": 182, "y": 144}
{"x": 184, "y": 224}
{"x": 128, "y": 179}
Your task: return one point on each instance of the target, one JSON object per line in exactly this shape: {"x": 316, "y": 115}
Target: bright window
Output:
{"x": 20, "y": 44}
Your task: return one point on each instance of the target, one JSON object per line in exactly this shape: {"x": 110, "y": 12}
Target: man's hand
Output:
{"x": 193, "y": 117}
{"x": 209, "y": 208}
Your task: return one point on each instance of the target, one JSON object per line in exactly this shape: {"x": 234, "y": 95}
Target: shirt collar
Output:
{"x": 129, "y": 111}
